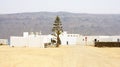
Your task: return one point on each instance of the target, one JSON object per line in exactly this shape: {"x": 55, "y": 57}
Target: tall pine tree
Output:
{"x": 57, "y": 29}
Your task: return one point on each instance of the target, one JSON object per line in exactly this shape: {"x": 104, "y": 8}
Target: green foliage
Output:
{"x": 57, "y": 29}
{"x": 57, "y": 26}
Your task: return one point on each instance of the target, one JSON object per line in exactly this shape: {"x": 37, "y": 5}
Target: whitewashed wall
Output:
{"x": 66, "y": 39}
{"x": 27, "y": 41}
{"x": 63, "y": 38}
{"x": 91, "y": 39}
{"x": 36, "y": 42}
{"x": 69, "y": 39}
{"x": 18, "y": 41}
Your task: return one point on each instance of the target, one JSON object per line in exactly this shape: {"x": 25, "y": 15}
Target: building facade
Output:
{"x": 38, "y": 40}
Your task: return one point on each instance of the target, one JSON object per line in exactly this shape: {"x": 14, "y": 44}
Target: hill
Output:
{"x": 85, "y": 24}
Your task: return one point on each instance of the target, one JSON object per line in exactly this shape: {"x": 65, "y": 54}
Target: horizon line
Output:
{"x": 56, "y": 12}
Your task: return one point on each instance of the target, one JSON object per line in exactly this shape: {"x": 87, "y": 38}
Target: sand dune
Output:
{"x": 76, "y": 56}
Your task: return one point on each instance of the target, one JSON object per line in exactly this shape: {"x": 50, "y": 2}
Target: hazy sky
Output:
{"x": 76, "y": 6}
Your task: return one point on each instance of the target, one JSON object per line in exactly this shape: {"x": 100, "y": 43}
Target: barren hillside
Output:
{"x": 85, "y": 24}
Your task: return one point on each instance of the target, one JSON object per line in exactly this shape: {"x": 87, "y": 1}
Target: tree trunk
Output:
{"x": 58, "y": 41}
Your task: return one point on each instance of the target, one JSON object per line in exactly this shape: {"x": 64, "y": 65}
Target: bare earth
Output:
{"x": 76, "y": 56}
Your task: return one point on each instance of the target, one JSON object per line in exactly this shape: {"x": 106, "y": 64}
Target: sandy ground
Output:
{"x": 77, "y": 56}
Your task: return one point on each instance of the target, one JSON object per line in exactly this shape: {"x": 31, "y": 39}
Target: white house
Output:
{"x": 38, "y": 40}
{"x": 28, "y": 40}
{"x": 70, "y": 39}
{"x": 90, "y": 40}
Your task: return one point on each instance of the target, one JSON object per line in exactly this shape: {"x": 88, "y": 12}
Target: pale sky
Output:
{"x": 75, "y": 6}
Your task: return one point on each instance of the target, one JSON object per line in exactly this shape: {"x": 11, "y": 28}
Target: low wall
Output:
{"x": 107, "y": 44}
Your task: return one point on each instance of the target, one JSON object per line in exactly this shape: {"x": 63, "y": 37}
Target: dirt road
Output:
{"x": 79, "y": 56}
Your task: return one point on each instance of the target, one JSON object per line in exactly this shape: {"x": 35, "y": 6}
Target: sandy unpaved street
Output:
{"x": 79, "y": 56}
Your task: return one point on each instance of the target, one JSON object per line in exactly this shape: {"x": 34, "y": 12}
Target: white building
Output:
{"x": 70, "y": 39}
{"x": 38, "y": 40}
{"x": 28, "y": 40}
{"x": 90, "y": 40}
